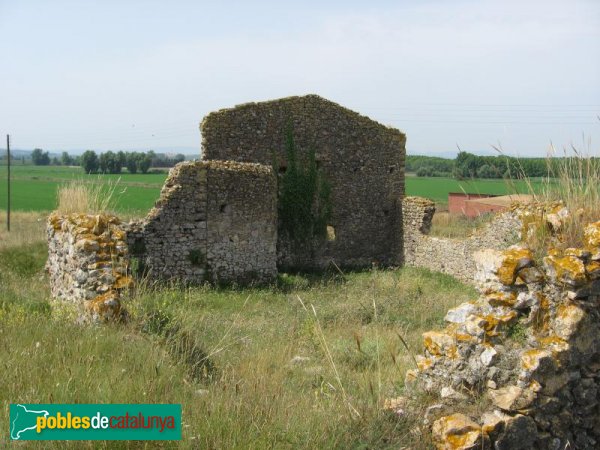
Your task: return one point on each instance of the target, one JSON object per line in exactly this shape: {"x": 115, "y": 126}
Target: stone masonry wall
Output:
{"x": 519, "y": 368}
{"x": 215, "y": 221}
{"x": 362, "y": 160}
{"x": 242, "y": 223}
{"x": 451, "y": 256}
{"x": 88, "y": 264}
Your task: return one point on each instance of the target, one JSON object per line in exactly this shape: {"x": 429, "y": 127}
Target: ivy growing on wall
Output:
{"x": 304, "y": 195}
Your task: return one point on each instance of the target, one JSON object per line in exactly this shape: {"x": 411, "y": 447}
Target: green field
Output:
{"x": 34, "y": 187}
{"x": 437, "y": 189}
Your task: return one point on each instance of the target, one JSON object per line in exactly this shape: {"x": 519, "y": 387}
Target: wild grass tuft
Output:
{"x": 26, "y": 228}
{"x": 90, "y": 197}
{"x": 445, "y": 224}
{"x": 573, "y": 181}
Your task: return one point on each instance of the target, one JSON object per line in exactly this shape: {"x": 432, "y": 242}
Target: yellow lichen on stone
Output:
{"x": 567, "y": 320}
{"x": 576, "y": 252}
{"x": 492, "y": 321}
{"x": 117, "y": 234}
{"x": 457, "y": 432}
{"x": 438, "y": 343}
{"x": 424, "y": 363}
{"x": 593, "y": 269}
{"x": 591, "y": 236}
{"x": 556, "y": 345}
{"x": 530, "y": 359}
{"x": 123, "y": 282}
{"x": 501, "y": 298}
{"x": 464, "y": 337}
{"x": 553, "y": 341}
{"x": 87, "y": 245}
{"x": 513, "y": 260}
{"x": 568, "y": 269}
{"x": 105, "y": 307}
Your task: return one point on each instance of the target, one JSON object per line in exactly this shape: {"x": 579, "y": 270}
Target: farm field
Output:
{"x": 34, "y": 187}
{"x": 437, "y": 188}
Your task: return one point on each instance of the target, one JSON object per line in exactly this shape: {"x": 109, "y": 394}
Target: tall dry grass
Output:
{"x": 573, "y": 181}
{"x": 26, "y": 228}
{"x": 447, "y": 225}
{"x": 79, "y": 196}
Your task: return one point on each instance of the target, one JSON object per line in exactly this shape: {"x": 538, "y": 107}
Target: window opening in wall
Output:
{"x": 196, "y": 257}
{"x": 224, "y": 208}
{"x": 391, "y": 169}
{"x": 330, "y": 233}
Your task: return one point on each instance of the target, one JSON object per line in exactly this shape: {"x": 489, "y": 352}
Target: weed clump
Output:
{"x": 79, "y": 196}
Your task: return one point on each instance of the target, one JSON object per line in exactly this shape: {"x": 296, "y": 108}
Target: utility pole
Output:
{"x": 8, "y": 191}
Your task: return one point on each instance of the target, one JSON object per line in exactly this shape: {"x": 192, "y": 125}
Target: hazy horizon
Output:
{"x": 450, "y": 74}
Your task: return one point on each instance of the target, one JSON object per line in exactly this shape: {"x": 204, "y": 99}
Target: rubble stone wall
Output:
{"x": 88, "y": 264}
{"x": 362, "y": 160}
{"x": 519, "y": 367}
{"x": 451, "y": 256}
{"x": 215, "y": 221}
{"x": 242, "y": 223}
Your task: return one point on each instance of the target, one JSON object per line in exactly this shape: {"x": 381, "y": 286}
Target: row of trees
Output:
{"x": 108, "y": 162}
{"x": 429, "y": 166}
{"x": 468, "y": 165}
{"x": 113, "y": 162}
{"x": 42, "y": 158}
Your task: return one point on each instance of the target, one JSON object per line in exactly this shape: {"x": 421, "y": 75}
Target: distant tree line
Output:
{"x": 108, "y": 162}
{"x": 134, "y": 162}
{"x": 468, "y": 165}
{"x": 429, "y": 166}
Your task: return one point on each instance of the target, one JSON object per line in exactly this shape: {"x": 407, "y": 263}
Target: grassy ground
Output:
{"x": 449, "y": 225}
{"x": 34, "y": 187}
{"x": 305, "y": 363}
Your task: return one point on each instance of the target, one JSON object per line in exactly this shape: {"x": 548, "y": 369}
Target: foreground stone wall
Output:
{"x": 362, "y": 160}
{"x": 88, "y": 264}
{"x": 215, "y": 221}
{"x": 519, "y": 368}
{"x": 451, "y": 256}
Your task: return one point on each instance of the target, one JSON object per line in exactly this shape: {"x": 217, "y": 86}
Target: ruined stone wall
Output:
{"x": 519, "y": 367}
{"x": 451, "y": 256}
{"x": 242, "y": 223}
{"x": 88, "y": 264}
{"x": 362, "y": 160}
{"x": 215, "y": 221}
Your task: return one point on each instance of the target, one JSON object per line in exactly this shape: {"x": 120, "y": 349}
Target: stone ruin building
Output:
{"x": 362, "y": 160}
{"x": 217, "y": 219}
{"x": 516, "y": 368}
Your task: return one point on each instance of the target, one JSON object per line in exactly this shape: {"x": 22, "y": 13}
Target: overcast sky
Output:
{"x": 141, "y": 74}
